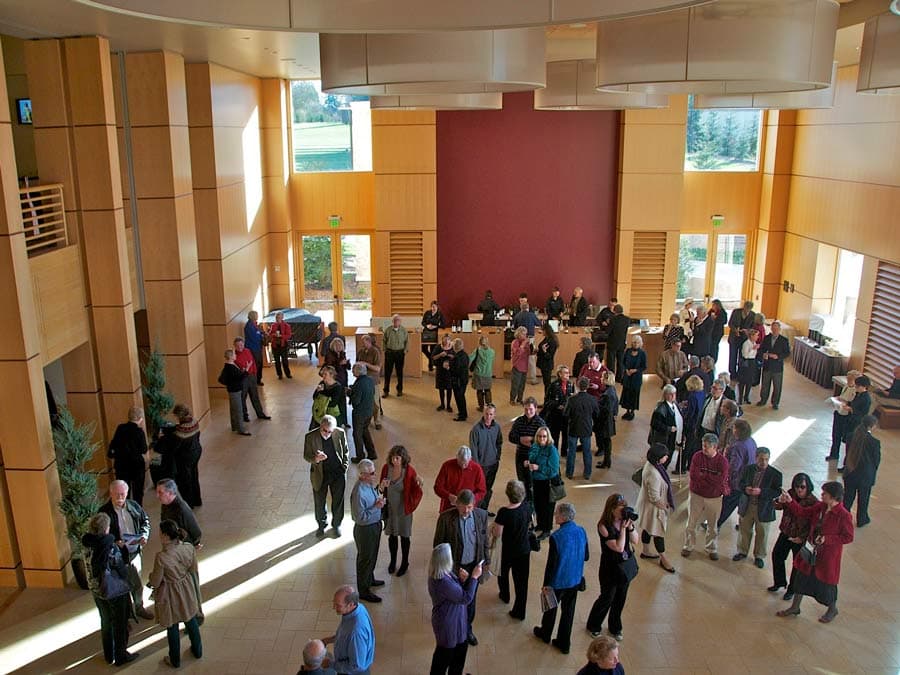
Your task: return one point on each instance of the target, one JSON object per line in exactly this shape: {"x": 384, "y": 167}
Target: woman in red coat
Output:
{"x": 830, "y": 528}
{"x": 402, "y": 488}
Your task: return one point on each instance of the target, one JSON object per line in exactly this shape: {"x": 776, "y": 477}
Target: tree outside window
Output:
{"x": 722, "y": 140}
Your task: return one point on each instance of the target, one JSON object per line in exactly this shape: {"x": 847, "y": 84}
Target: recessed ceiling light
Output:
{"x": 577, "y": 25}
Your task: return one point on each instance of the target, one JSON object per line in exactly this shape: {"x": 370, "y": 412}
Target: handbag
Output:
{"x": 807, "y": 553}
{"x": 557, "y": 489}
{"x": 474, "y": 362}
{"x": 429, "y": 335}
{"x": 638, "y": 476}
{"x": 629, "y": 567}
{"x": 533, "y": 542}
{"x": 111, "y": 584}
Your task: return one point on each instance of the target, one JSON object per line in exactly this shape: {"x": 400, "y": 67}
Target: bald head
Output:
{"x": 313, "y": 654}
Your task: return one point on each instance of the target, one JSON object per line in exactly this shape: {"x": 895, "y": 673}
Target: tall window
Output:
{"x": 840, "y": 325}
{"x": 722, "y": 140}
{"x": 331, "y": 132}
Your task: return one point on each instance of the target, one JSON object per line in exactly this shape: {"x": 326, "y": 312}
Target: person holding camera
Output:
{"x": 618, "y": 566}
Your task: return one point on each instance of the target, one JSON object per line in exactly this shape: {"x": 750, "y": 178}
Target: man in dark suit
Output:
{"x": 739, "y": 326}
{"x": 760, "y": 485}
{"x": 615, "y": 342}
{"x": 327, "y": 452}
{"x": 774, "y": 350}
{"x": 465, "y": 528}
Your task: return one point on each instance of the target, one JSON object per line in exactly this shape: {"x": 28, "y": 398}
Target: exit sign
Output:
{"x": 334, "y": 222}
{"x": 717, "y": 220}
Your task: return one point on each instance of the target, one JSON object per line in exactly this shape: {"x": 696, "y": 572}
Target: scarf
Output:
{"x": 665, "y": 474}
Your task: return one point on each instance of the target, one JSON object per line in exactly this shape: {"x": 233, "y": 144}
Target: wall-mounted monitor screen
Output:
{"x": 23, "y": 110}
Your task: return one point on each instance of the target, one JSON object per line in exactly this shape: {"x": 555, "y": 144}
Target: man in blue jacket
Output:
{"x": 563, "y": 574}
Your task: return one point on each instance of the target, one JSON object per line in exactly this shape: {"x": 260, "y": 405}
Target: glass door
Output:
{"x": 693, "y": 253}
{"x": 319, "y": 295}
{"x": 337, "y": 278}
{"x": 731, "y": 253}
{"x": 356, "y": 280}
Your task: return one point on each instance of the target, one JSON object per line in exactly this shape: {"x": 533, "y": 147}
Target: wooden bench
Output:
{"x": 888, "y": 418}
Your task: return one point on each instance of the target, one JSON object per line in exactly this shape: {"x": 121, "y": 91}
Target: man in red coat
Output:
{"x": 831, "y": 526}
{"x": 462, "y": 473}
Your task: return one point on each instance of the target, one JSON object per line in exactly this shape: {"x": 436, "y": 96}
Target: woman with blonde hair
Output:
{"x": 634, "y": 364}
{"x": 336, "y": 357}
{"x": 603, "y": 658}
{"x": 842, "y": 415}
{"x": 543, "y": 462}
{"x": 442, "y": 356}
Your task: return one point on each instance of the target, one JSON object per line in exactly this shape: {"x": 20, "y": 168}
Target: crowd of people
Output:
{"x": 697, "y": 429}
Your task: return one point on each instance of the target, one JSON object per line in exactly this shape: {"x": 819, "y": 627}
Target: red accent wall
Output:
{"x": 526, "y": 200}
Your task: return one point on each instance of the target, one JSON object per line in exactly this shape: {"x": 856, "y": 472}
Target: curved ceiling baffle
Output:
{"x": 490, "y": 101}
{"x": 729, "y": 47}
{"x": 879, "y": 56}
{"x": 337, "y": 16}
{"x": 570, "y": 86}
{"x": 450, "y": 62}
{"x": 787, "y": 100}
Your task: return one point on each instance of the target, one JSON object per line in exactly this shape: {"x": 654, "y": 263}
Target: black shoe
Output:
{"x": 440, "y": 407}
{"x": 504, "y": 599}
{"x": 385, "y": 394}
{"x": 128, "y": 658}
{"x": 759, "y": 562}
{"x": 264, "y": 417}
{"x": 517, "y": 617}
{"x": 539, "y": 634}
{"x": 288, "y": 376}
{"x": 774, "y": 588}
{"x": 760, "y": 404}
{"x": 246, "y": 418}
{"x": 491, "y": 514}
{"x": 320, "y": 533}
{"x": 459, "y": 419}
{"x": 244, "y": 433}
{"x": 373, "y": 456}
{"x": 399, "y": 393}
{"x": 392, "y": 567}
{"x": 774, "y": 406}
{"x": 564, "y": 650}
{"x": 788, "y": 595}
{"x": 738, "y": 556}
{"x": 260, "y": 384}
{"x": 369, "y": 597}
{"x": 862, "y": 523}
{"x": 377, "y": 582}
{"x": 279, "y": 377}
{"x": 402, "y": 569}
{"x": 472, "y": 640}
{"x": 336, "y": 531}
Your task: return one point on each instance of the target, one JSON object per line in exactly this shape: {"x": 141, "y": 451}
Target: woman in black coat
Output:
{"x": 459, "y": 379}
{"x": 432, "y": 321}
{"x": 554, "y": 408}
{"x": 546, "y": 351}
{"x": 442, "y": 356}
{"x": 664, "y": 422}
{"x": 704, "y": 325}
{"x": 720, "y": 319}
{"x": 860, "y": 467}
{"x": 187, "y": 456}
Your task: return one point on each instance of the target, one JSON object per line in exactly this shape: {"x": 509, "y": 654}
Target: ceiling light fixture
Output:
{"x": 879, "y": 57}
{"x": 789, "y": 100}
{"x": 461, "y": 62}
{"x": 492, "y": 101}
{"x": 570, "y": 86}
{"x": 727, "y": 47}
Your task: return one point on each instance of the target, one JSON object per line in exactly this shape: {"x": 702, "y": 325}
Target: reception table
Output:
{"x": 816, "y": 363}
{"x": 412, "y": 364}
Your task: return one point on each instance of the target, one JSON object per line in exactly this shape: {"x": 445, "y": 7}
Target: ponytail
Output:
{"x": 172, "y": 531}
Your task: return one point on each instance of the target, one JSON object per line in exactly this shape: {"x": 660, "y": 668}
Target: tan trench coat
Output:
{"x": 174, "y": 578}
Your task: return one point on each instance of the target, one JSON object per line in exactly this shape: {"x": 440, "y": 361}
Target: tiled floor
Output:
{"x": 268, "y": 582}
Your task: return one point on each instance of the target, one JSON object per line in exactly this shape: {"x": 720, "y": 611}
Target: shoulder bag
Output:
{"x": 557, "y": 489}
{"x": 807, "y": 552}
{"x": 638, "y": 476}
{"x": 111, "y": 584}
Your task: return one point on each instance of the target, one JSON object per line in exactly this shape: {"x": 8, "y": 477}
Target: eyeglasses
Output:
{"x": 367, "y": 473}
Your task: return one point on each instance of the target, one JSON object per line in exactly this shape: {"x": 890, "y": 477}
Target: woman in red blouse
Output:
{"x": 830, "y": 528}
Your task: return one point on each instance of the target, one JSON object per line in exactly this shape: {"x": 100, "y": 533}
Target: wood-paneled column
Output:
{"x": 276, "y": 150}
{"x": 773, "y": 209}
{"x": 158, "y": 124}
{"x": 75, "y": 142}
{"x": 34, "y": 550}
{"x": 405, "y": 165}
{"x": 651, "y": 184}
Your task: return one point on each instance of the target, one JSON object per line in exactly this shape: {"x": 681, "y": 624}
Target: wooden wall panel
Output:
{"x": 405, "y": 201}
{"x": 654, "y": 148}
{"x": 733, "y": 195}
{"x": 862, "y": 153}
{"x": 59, "y": 299}
{"x": 403, "y": 149}
{"x": 650, "y": 201}
{"x": 315, "y": 196}
{"x": 403, "y": 117}
{"x": 243, "y": 278}
{"x": 852, "y": 108}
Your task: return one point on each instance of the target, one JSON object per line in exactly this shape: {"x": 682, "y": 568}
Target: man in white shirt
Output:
{"x": 129, "y": 524}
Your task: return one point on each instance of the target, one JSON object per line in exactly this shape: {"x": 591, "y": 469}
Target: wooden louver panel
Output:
{"x": 407, "y": 272}
{"x": 648, "y": 276}
{"x": 883, "y": 343}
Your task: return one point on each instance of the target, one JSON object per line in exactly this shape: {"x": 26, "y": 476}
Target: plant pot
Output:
{"x": 79, "y": 569}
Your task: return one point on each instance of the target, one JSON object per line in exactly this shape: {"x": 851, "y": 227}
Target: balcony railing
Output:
{"x": 44, "y": 218}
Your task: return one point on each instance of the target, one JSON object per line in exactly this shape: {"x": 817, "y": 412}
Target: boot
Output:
{"x": 404, "y": 550}
{"x": 392, "y": 547}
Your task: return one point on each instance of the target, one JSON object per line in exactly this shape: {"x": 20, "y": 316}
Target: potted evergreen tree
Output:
{"x": 157, "y": 403}
{"x": 75, "y": 448}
